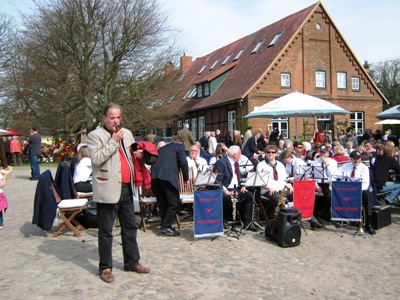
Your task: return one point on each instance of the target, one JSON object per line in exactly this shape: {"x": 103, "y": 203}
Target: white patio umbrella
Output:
{"x": 296, "y": 105}
{"x": 2, "y": 131}
{"x": 389, "y": 121}
{"x": 391, "y": 113}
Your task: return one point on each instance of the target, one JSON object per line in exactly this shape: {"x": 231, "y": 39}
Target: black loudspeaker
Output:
{"x": 289, "y": 227}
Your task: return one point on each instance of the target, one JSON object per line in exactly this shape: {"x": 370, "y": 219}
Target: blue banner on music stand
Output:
{"x": 208, "y": 220}
{"x": 346, "y": 200}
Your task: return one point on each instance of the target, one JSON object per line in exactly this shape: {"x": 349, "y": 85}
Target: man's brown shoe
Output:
{"x": 139, "y": 269}
{"x": 106, "y": 275}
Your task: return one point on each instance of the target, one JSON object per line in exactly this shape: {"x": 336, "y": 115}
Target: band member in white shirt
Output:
{"x": 326, "y": 168}
{"x": 276, "y": 179}
{"x": 356, "y": 169}
{"x": 197, "y": 163}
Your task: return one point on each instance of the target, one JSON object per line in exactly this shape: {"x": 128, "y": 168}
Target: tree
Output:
{"x": 75, "y": 56}
{"x": 387, "y": 77}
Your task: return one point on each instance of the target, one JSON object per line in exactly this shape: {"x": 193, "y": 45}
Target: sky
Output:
{"x": 368, "y": 26}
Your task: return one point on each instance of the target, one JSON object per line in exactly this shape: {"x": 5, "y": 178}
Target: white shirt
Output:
{"x": 212, "y": 144}
{"x": 361, "y": 171}
{"x": 294, "y": 166}
{"x": 196, "y": 164}
{"x": 329, "y": 170}
{"x": 234, "y": 182}
{"x": 280, "y": 169}
{"x": 83, "y": 171}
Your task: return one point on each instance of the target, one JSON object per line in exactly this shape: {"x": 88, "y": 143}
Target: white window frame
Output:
{"x": 355, "y": 83}
{"x": 239, "y": 54}
{"x": 341, "y": 80}
{"x": 231, "y": 121}
{"x": 357, "y": 120}
{"x": 278, "y": 124}
{"x": 194, "y": 128}
{"x": 226, "y": 59}
{"x": 179, "y": 124}
{"x": 285, "y": 79}
{"x": 202, "y": 126}
{"x": 320, "y": 79}
{"x": 257, "y": 46}
{"x": 206, "y": 89}
{"x": 200, "y": 91}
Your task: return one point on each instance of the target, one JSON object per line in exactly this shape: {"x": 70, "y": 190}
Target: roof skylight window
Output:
{"x": 276, "y": 38}
{"x": 214, "y": 64}
{"x": 202, "y": 69}
{"x": 258, "y": 46}
{"x": 239, "y": 54}
{"x": 226, "y": 59}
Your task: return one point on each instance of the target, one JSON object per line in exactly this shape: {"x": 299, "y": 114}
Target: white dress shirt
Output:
{"x": 276, "y": 184}
{"x": 361, "y": 172}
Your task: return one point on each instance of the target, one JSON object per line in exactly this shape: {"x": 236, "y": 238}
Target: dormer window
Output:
{"x": 239, "y": 54}
{"x": 276, "y": 38}
{"x": 258, "y": 46}
{"x": 226, "y": 59}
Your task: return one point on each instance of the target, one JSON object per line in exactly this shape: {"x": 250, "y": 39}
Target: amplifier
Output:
{"x": 381, "y": 216}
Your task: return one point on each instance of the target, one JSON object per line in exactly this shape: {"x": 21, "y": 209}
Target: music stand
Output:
{"x": 342, "y": 219}
{"x": 311, "y": 172}
{"x": 254, "y": 180}
{"x": 207, "y": 179}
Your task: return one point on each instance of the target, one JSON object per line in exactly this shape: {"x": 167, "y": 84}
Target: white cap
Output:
{"x": 80, "y": 145}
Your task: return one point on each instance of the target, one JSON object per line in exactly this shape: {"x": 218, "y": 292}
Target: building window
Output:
{"x": 357, "y": 121}
{"x": 355, "y": 83}
{"x": 239, "y": 54}
{"x": 206, "y": 89}
{"x": 285, "y": 79}
{"x": 276, "y": 38}
{"x": 202, "y": 126}
{"x": 320, "y": 79}
{"x": 199, "y": 91}
{"x": 226, "y": 59}
{"x": 282, "y": 125}
{"x": 341, "y": 80}
{"x": 231, "y": 121}
{"x": 258, "y": 46}
{"x": 194, "y": 128}
{"x": 179, "y": 124}
{"x": 187, "y": 121}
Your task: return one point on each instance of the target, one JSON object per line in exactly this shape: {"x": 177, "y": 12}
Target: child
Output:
{"x": 3, "y": 199}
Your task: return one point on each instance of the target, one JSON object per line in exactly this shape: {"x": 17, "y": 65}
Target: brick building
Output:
{"x": 303, "y": 52}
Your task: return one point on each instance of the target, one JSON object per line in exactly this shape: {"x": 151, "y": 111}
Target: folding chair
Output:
{"x": 146, "y": 202}
{"x": 304, "y": 198}
{"x": 68, "y": 209}
{"x": 186, "y": 193}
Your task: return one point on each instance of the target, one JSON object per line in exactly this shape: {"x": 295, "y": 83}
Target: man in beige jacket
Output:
{"x": 113, "y": 190}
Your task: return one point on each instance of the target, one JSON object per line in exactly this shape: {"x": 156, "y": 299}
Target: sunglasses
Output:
{"x": 269, "y": 152}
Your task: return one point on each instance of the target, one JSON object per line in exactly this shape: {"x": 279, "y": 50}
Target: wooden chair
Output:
{"x": 146, "y": 201}
{"x": 68, "y": 210}
{"x": 186, "y": 192}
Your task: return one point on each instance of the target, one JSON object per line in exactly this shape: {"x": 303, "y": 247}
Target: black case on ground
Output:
{"x": 381, "y": 216}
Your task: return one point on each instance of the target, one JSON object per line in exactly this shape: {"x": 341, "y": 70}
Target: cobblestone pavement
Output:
{"x": 328, "y": 263}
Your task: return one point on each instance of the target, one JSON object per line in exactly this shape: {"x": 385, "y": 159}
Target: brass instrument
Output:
{"x": 281, "y": 202}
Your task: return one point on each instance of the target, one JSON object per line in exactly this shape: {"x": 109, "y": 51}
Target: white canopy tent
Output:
{"x": 296, "y": 105}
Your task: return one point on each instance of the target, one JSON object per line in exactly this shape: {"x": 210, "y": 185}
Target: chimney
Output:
{"x": 169, "y": 67}
{"x": 186, "y": 61}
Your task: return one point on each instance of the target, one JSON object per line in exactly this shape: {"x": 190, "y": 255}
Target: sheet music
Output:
{"x": 207, "y": 178}
{"x": 257, "y": 178}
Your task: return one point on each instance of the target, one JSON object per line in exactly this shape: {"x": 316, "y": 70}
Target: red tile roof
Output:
{"x": 245, "y": 72}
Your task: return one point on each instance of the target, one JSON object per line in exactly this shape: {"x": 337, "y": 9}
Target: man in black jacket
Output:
{"x": 165, "y": 182}
{"x": 381, "y": 170}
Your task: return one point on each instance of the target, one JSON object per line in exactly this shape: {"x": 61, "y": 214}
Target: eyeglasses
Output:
{"x": 194, "y": 150}
{"x": 269, "y": 152}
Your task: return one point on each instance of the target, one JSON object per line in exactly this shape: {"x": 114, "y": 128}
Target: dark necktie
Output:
{"x": 237, "y": 173}
{"x": 275, "y": 173}
{"x": 323, "y": 173}
{"x": 291, "y": 172}
{"x": 197, "y": 165}
{"x": 353, "y": 173}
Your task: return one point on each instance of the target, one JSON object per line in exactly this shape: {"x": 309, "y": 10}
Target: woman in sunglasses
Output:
{"x": 276, "y": 180}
